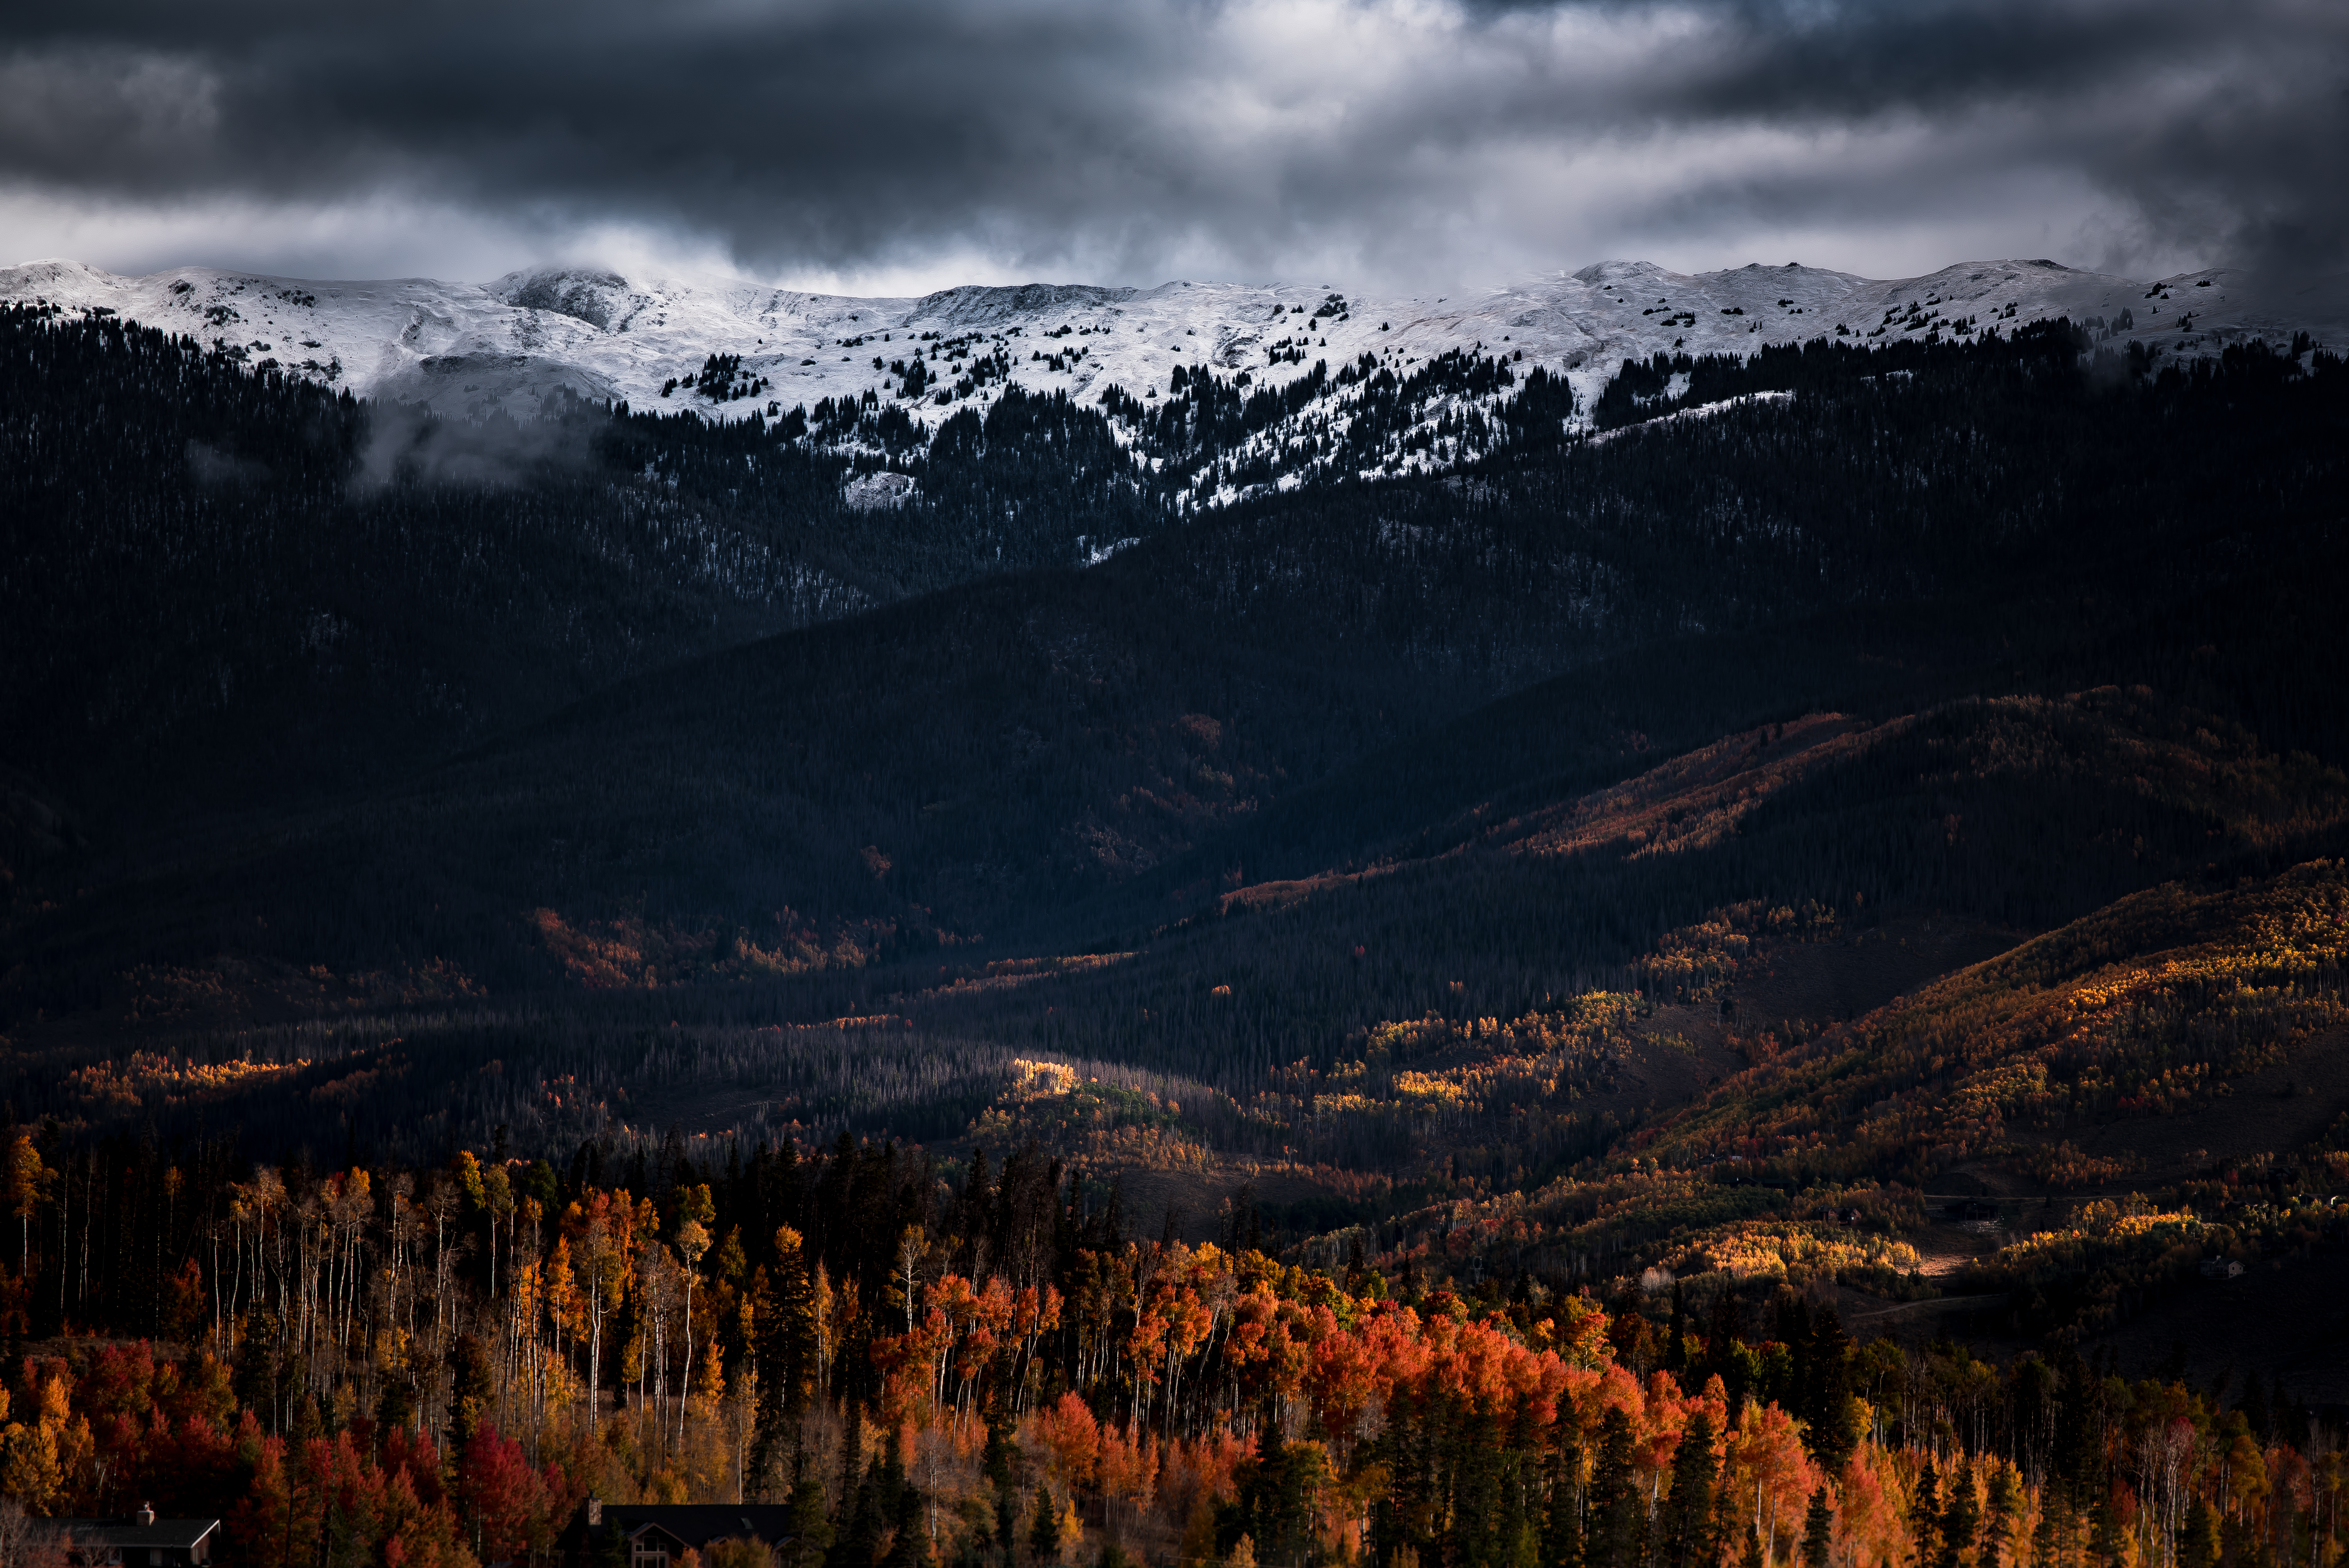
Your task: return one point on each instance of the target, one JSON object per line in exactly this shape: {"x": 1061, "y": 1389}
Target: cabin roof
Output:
{"x": 185, "y": 1534}
{"x": 696, "y": 1524}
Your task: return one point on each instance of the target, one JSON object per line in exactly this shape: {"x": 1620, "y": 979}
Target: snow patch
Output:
{"x": 1702, "y": 411}
{"x": 868, "y": 492}
{"x": 1095, "y": 551}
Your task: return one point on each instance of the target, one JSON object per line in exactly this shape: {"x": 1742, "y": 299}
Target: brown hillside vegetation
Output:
{"x": 1693, "y": 800}
{"x": 1897, "y": 851}
{"x": 2107, "y": 787}
{"x": 2162, "y": 1004}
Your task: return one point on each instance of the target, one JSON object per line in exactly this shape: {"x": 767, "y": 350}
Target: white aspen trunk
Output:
{"x": 594, "y": 1353}
{"x": 685, "y": 1387}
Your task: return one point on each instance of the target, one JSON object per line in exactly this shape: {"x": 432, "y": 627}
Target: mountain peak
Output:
{"x": 597, "y": 298}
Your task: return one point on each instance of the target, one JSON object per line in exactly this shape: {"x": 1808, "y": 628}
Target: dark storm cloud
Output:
{"x": 1274, "y": 136}
{"x": 2224, "y": 125}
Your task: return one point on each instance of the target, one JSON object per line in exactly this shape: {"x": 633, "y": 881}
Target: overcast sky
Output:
{"x": 900, "y": 145}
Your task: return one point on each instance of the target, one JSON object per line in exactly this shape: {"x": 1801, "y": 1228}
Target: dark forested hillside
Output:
{"x": 1256, "y": 692}
{"x": 224, "y": 586}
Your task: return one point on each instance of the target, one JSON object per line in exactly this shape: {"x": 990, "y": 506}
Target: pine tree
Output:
{"x": 786, "y": 1319}
{"x": 1688, "y": 1510}
{"x": 810, "y": 1520}
{"x": 2198, "y": 1544}
{"x": 1957, "y": 1519}
{"x": 1925, "y": 1513}
{"x": 1562, "y": 1526}
{"x": 1676, "y": 1342}
{"x": 1834, "y": 1417}
{"x": 1614, "y": 1502}
{"x": 2108, "y": 1544}
{"x": 911, "y": 1549}
{"x": 1998, "y": 1518}
{"x": 997, "y": 1462}
{"x": 2051, "y": 1536}
{"x": 1818, "y": 1530}
{"x": 1720, "y": 1353}
{"x": 1044, "y": 1530}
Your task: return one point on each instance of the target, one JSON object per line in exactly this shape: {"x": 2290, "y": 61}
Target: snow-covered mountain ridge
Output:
{"x": 728, "y": 350}
{"x": 466, "y": 348}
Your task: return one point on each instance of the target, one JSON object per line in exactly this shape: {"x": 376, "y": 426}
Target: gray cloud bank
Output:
{"x": 1416, "y": 142}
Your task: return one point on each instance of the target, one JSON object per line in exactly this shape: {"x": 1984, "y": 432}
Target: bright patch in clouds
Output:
{"x": 900, "y": 145}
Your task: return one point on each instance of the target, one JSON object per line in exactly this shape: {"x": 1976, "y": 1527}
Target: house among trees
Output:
{"x": 658, "y": 1535}
{"x": 138, "y": 1541}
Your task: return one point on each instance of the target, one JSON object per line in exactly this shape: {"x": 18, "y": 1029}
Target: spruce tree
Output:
{"x": 1720, "y": 1353}
{"x": 1957, "y": 1519}
{"x": 1001, "y": 1452}
{"x": 1521, "y": 1546}
{"x": 1562, "y": 1524}
{"x": 851, "y": 1465}
{"x": 1676, "y": 1345}
{"x": 784, "y": 1311}
{"x": 2109, "y": 1542}
{"x": 1998, "y": 1518}
{"x": 2054, "y": 1525}
{"x": 1614, "y": 1502}
{"x": 2197, "y": 1545}
{"x": 1925, "y": 1513}
{"x": 810, "y": 1521}
{"x": 1688, "y": 1511}
{"x": 1818, "y": 1530}
{"x": 1834, "y": 1417}
{"x": 1044, "y": 1530}
{"x": 874, "y": 1504}
{"x": 911, "y": 1549}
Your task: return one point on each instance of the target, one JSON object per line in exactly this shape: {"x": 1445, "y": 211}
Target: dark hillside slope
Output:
{"x": 2018, "y": 813}
{"x": 225, "y": 587}
{"x": 1701, "y": 883}
{"x": 1915, "y": 526}
{"x": 915, "y": 776}
{"x": 1005, "y": 756}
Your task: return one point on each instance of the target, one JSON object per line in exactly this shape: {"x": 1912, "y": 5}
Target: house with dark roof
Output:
{"x": 137, "y": 1540}
{"x": 656, "y": 1535}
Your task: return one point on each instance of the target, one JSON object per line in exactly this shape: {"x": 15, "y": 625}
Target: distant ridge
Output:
{"x": 467, "y": 349}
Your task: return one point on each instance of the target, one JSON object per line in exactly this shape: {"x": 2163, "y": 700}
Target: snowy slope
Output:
{"x": 468, "y": 349}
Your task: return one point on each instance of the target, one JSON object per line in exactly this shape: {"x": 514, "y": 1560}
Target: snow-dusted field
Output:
{"x": 472, "y": 348}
